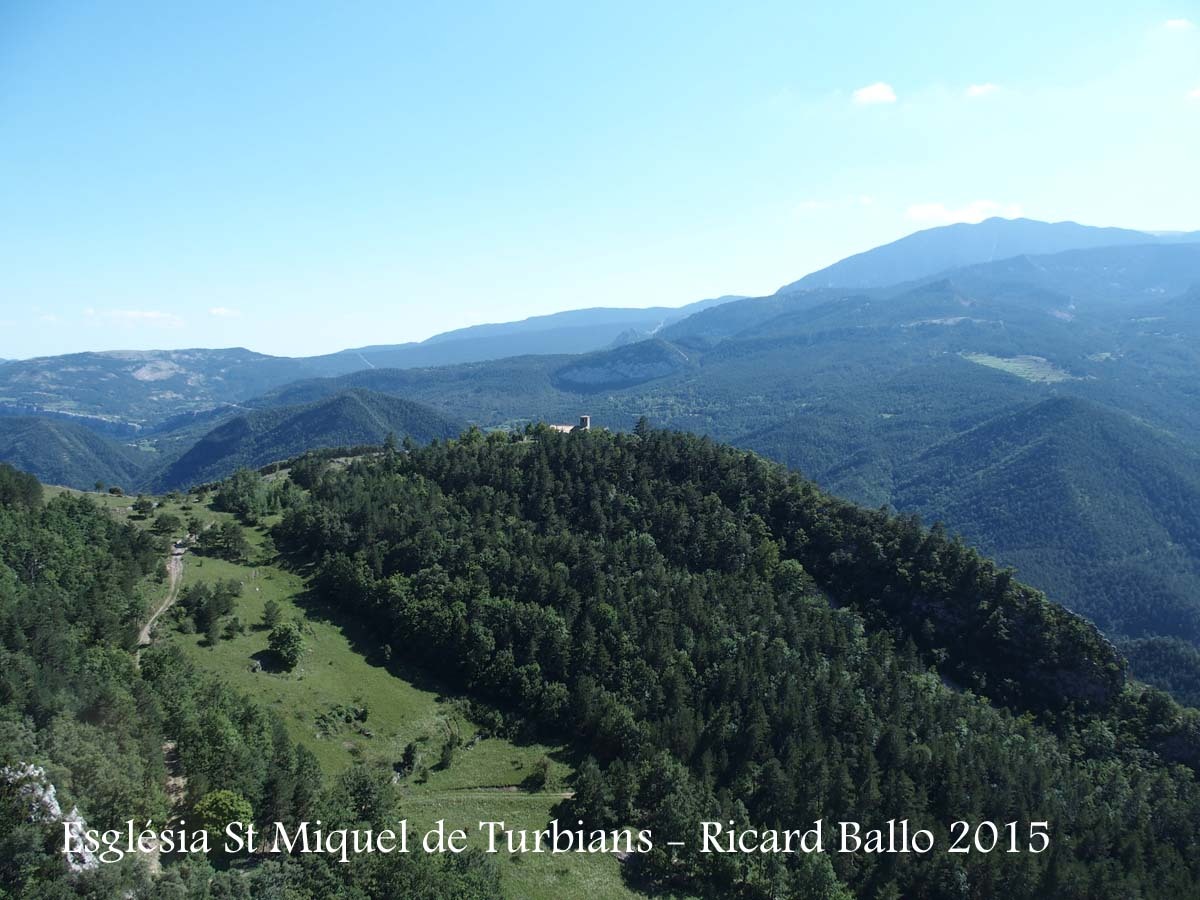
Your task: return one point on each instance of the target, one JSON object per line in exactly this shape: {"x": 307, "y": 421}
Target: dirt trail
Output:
{"x": 176, "y": 786}
{"x": 174, "y": 578}
{"x": 176, "y": 780}
{"x": 505, "y": 789}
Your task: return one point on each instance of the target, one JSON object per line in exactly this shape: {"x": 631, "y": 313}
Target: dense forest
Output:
{"x": 85, "y": 733}
{"x": 724, "y": 641}
{"x": 717, "y": 638}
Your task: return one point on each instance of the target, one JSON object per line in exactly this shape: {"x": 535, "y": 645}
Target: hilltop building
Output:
{"x": 585, "y": 424}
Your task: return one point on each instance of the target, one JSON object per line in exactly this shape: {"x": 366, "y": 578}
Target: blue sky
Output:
{"x": 302, "y": 177}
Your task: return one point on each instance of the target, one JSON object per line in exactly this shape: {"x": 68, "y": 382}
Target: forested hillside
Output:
{"x": 257, "y": 437}
{"x": 717, "y": 638}
{"x": 1095, "y": 507}
{"x": 58, "y": 451}
{"x": 84, "y": 731}
{"x": 1064, "y": 486}
{"x": 1170, "y": 663}
{"x": 728, "y": 642}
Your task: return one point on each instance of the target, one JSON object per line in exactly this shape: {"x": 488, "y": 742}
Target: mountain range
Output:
{"x": 135, "y": 392}
{"x": 1032, "y": 385}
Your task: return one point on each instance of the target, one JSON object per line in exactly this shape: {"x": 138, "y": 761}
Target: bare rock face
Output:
{"x": 34, "y": 790}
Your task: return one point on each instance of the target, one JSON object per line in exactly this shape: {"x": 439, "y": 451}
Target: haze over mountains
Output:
{"x": 1032, "y": 385}
{"x": 573, "y": 331}
{"x": 128, "y": 391}
{"x": 953, "y": 246}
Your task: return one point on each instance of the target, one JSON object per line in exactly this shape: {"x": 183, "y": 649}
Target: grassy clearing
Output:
{"x": 117, "y": 504}
{"x": 121, "y": 505}
{"x": 1031, "y": 368}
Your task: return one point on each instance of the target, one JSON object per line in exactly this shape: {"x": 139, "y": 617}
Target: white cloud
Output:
{"x": 976, "y": 211}
{"x": 879, "y": 92}
{"x": 224, "y": 312}
{"x": 1179, "y": 25}
{"x": 1194, "y": 93}
{"x": 982, "y": 90}
{"x": 137, "y": 316}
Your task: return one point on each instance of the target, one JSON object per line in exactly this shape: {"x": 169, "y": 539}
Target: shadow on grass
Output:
{"x": 533, "y": 783}
{"x": 365, "y": 641}
{"x": 269, "y": 662}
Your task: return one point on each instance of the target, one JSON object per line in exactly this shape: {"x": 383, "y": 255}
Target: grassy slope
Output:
{"x": 482, "y": 784}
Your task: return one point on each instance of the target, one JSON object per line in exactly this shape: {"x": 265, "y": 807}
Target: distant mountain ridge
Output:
{"x": 1124, "y": 274}
{"x": 936, "y": 250}
{"x": 610, "y": 317}
{"x": 572, "y": 331}
{"x": 140, "y": 392}
{"x": 135, "y": 392}
{"x": 1104, "y": 278}
{"x": 137, "y": 389}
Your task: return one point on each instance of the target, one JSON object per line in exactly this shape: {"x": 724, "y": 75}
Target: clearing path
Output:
{"x": 174, "y": 578}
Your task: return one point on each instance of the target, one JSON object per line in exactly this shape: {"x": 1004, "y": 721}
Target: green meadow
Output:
{"x": 1030, "y": 368}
